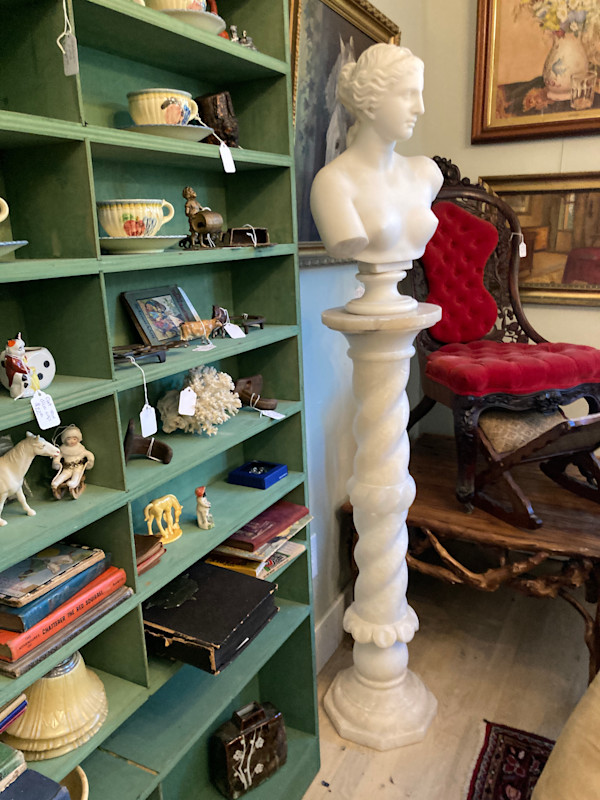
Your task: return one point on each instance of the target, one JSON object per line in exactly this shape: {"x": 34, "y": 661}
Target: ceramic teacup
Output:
{"x": 162, "y": 107}
{"x": 133, "y": 217}
{"x": 3, "y": 209}
{"x": 177, "y": 5}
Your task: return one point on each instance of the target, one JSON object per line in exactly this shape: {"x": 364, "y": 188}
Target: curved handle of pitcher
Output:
{"x": 193, "y": 110}
{"x": 3, "y": 209}
{"x": 171, "y": 213}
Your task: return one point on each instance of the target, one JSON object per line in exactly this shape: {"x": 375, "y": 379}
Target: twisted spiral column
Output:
{"x": 379, "y": 701}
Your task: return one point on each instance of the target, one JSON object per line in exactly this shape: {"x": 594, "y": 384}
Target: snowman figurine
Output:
{"x": 19, "y": 374}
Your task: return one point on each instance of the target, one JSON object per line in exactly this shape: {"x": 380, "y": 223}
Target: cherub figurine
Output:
{"x": 71, "y": 464}
{"x": 18, "y": 372}
{"x": 203, "y": 516}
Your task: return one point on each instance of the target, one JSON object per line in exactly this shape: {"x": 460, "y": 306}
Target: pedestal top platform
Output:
{"x": 423, "y": 316}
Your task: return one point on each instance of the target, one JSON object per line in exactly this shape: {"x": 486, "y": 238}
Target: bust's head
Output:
{"x": 384, "y": 87}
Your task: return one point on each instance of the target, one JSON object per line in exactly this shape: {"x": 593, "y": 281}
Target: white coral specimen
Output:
{"x": 216, "y": 402}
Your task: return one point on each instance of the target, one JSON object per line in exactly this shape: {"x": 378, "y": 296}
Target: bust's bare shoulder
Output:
{"x": 426, "y": 169}
{"x": 333, "y": 177}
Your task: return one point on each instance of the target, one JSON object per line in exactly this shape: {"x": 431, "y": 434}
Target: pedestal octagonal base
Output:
{"x": 381, "y": 716}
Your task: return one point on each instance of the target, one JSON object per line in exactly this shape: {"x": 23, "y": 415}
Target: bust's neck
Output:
{"x": 375, "y": 152}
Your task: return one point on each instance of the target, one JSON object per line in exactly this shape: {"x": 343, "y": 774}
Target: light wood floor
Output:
{"x": 500, "y": 657}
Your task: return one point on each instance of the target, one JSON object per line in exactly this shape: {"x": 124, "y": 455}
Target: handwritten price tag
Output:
{"x": 44, "y": 410}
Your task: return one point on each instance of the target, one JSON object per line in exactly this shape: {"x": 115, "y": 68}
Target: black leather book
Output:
{"x": 207, "y": 616}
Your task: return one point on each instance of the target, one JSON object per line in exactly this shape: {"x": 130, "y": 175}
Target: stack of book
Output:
{"x": 12, "y": 711}
{"x": 46, "y": 600}
{"x": 19, "y": 783}
{"x": 148, "y": 551}
{"x": 262, "y": 546}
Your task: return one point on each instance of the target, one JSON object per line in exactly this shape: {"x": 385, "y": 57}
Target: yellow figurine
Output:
{"x": 165, "y": 510}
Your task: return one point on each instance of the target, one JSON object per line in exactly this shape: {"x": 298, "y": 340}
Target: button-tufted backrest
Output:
{"x": 454, "y": 262}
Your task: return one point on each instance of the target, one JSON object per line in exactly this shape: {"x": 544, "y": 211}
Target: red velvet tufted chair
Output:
{"x": 484, "y": 354}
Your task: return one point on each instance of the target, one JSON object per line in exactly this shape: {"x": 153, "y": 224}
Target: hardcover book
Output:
{"x": 12, "y": 764}
{"x": 207, "y": 616}
{"x": 32, "y": 784}
{"x": 145, "y": 546}
{"x": 14, "y": 715}
{"x": 266, "y": 550}
{"x": 144, "y": 566}
{"x": 21, "y": 618}
{"x": 14, "y": 645}
{"x": 13, "y": 669}
{"x": 259, "y": 569}
{"x": 35, "y": 576}
{"x": 271, "y": 522}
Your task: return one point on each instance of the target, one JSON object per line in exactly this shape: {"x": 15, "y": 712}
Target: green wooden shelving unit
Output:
{"x": 61, "y": 149}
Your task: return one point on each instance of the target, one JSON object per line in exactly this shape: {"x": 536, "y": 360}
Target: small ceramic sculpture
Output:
{"x": 371, "y": 203}
{"x": 216, "y": 402}
{"x": 20, "y": 376}
{"x": 71, "y": 464}
{"x": 166, "y": 512}
{"x": 15, "y": 463}
{"x": 204, "y": 328}
{"x": 203, "y": 223}
{"x": 203, "y": 516}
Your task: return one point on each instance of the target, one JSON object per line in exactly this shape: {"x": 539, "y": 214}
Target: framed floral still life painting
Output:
{"x": 325, "y": 35}
{"x": 537, "y": 69}
{"x": 560, "y": 221}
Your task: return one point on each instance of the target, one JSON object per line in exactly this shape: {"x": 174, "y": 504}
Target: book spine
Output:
{"x": 87, "y": 598}
{"x": 37, "y": 610}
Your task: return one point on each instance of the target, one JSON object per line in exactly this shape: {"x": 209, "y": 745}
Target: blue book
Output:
{"x": 32, "y": 785}
{"x": 25, "y": 617}
{"x": 15, "y": 714}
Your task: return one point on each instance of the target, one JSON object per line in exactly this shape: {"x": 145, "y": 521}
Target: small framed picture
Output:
{"x": 158, "y": 313}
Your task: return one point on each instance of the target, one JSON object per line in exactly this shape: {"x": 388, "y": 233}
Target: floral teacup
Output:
{"x": 133, "y": 217}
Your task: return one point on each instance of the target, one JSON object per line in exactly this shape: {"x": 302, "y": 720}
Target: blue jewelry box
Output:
{"x": 258, "y": 474}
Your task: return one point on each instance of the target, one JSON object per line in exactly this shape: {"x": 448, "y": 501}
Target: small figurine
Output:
{"x": 203, "y": 223}
{"x": 204, "y": 328}
{"x": 20, "y": 376}
{"x": 71, "y": 464}
{"x": 14, "y": 465}
{"x": 203, "y": 516}
{"x": 165, "y": 510}
{"x": 246, "y": 41}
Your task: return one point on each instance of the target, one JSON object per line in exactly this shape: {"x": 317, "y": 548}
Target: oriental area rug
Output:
{"x": 509, "y": 764}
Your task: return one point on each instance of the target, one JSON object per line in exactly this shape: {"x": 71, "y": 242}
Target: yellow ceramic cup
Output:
{"x": 178, "y": 5}
{"x": 133, "y": 217}
{"x": 3, "y": 209}
{"x": 161, "y": 107}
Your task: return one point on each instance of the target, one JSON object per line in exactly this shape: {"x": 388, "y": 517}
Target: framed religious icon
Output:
{"x": 325, "y": 35}
{"x": 159, "y": 313}
{"x": 560, "y": 220}
{"x": 537, "y": 69}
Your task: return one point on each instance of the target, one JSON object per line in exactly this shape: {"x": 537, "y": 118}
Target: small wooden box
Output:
{"x": 247, "y": 749}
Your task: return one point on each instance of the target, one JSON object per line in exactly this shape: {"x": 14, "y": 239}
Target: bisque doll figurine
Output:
{"x": 72, "y": 464}
{"x": 18, "y": 372}
{"x": 203, "y": 516}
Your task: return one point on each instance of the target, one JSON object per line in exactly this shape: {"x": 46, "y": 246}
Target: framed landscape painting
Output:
{"x": 325, "y": 35}
{"x": 560, "y": 220}
{"x": 536, "y": 69}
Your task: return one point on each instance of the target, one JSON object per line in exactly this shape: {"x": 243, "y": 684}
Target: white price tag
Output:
{"x": 226, "y": 158}
{"x": 187, "y": 402}
{"x": 272, "y": 414}
{"x": 522, "y": 250}
{"x": 44, "y": 410}
{"x": 234, "y": 330}
{"x": 148, "y": 420}
{"x": 202, "y": 347}
{"x": 70, "y": 55}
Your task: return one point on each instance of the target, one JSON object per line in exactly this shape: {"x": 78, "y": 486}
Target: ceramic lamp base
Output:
{"x": 380, "y": 715}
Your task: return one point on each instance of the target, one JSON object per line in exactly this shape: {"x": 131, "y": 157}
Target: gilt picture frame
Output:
{"x": 560, "y": 220}
{"x": 325, "y": 34}
{"x": 537, "y": 68}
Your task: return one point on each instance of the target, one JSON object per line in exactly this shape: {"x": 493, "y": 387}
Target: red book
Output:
{"x": 14, "y": 645}
{"x": 265, "y": 526}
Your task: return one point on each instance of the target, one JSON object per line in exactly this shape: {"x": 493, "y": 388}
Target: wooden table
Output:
{"x": 569, "y": 539}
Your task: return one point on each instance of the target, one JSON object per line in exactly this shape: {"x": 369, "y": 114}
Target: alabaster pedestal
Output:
{"x": 378, "y": 701}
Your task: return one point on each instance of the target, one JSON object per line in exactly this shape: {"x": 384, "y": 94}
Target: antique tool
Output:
{"x": 136, "y": 445}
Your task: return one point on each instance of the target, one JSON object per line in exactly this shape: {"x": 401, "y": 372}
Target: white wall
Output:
{"x": 442, "y": 32}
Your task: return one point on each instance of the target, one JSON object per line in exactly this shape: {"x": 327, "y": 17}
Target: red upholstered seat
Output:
{"x": 486, "y": 367}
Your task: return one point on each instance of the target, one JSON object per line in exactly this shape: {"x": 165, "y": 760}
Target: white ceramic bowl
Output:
{"x": 161, "y": 107}
{"x": 133, "y": 217}
{"x": 179, "y": 5}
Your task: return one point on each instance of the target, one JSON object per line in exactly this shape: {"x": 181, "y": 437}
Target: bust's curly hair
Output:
{"x": 363, "y": 84}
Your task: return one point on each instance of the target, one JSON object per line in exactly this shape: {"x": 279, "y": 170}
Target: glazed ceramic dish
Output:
{"x": 189, "y": 133}
{"x": 9, "y": 247}
{"x": 118, "y": 245}
{"x": 211, "y": 23}
{"x": 133, "y": 217}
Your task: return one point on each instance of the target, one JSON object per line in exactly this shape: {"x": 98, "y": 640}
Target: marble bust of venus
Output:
{"x": 371, "y": 203}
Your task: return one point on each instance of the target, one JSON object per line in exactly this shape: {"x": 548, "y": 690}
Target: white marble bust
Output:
{"x": 371, "y": 203}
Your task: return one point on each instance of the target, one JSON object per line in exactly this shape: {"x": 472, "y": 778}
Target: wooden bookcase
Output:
{"x": 60, "y": 150}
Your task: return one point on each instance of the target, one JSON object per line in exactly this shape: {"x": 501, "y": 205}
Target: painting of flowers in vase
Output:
{"x": 537, "y": 69}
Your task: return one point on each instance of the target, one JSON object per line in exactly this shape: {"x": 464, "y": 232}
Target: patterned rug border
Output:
{"x": 492, "y": 732}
